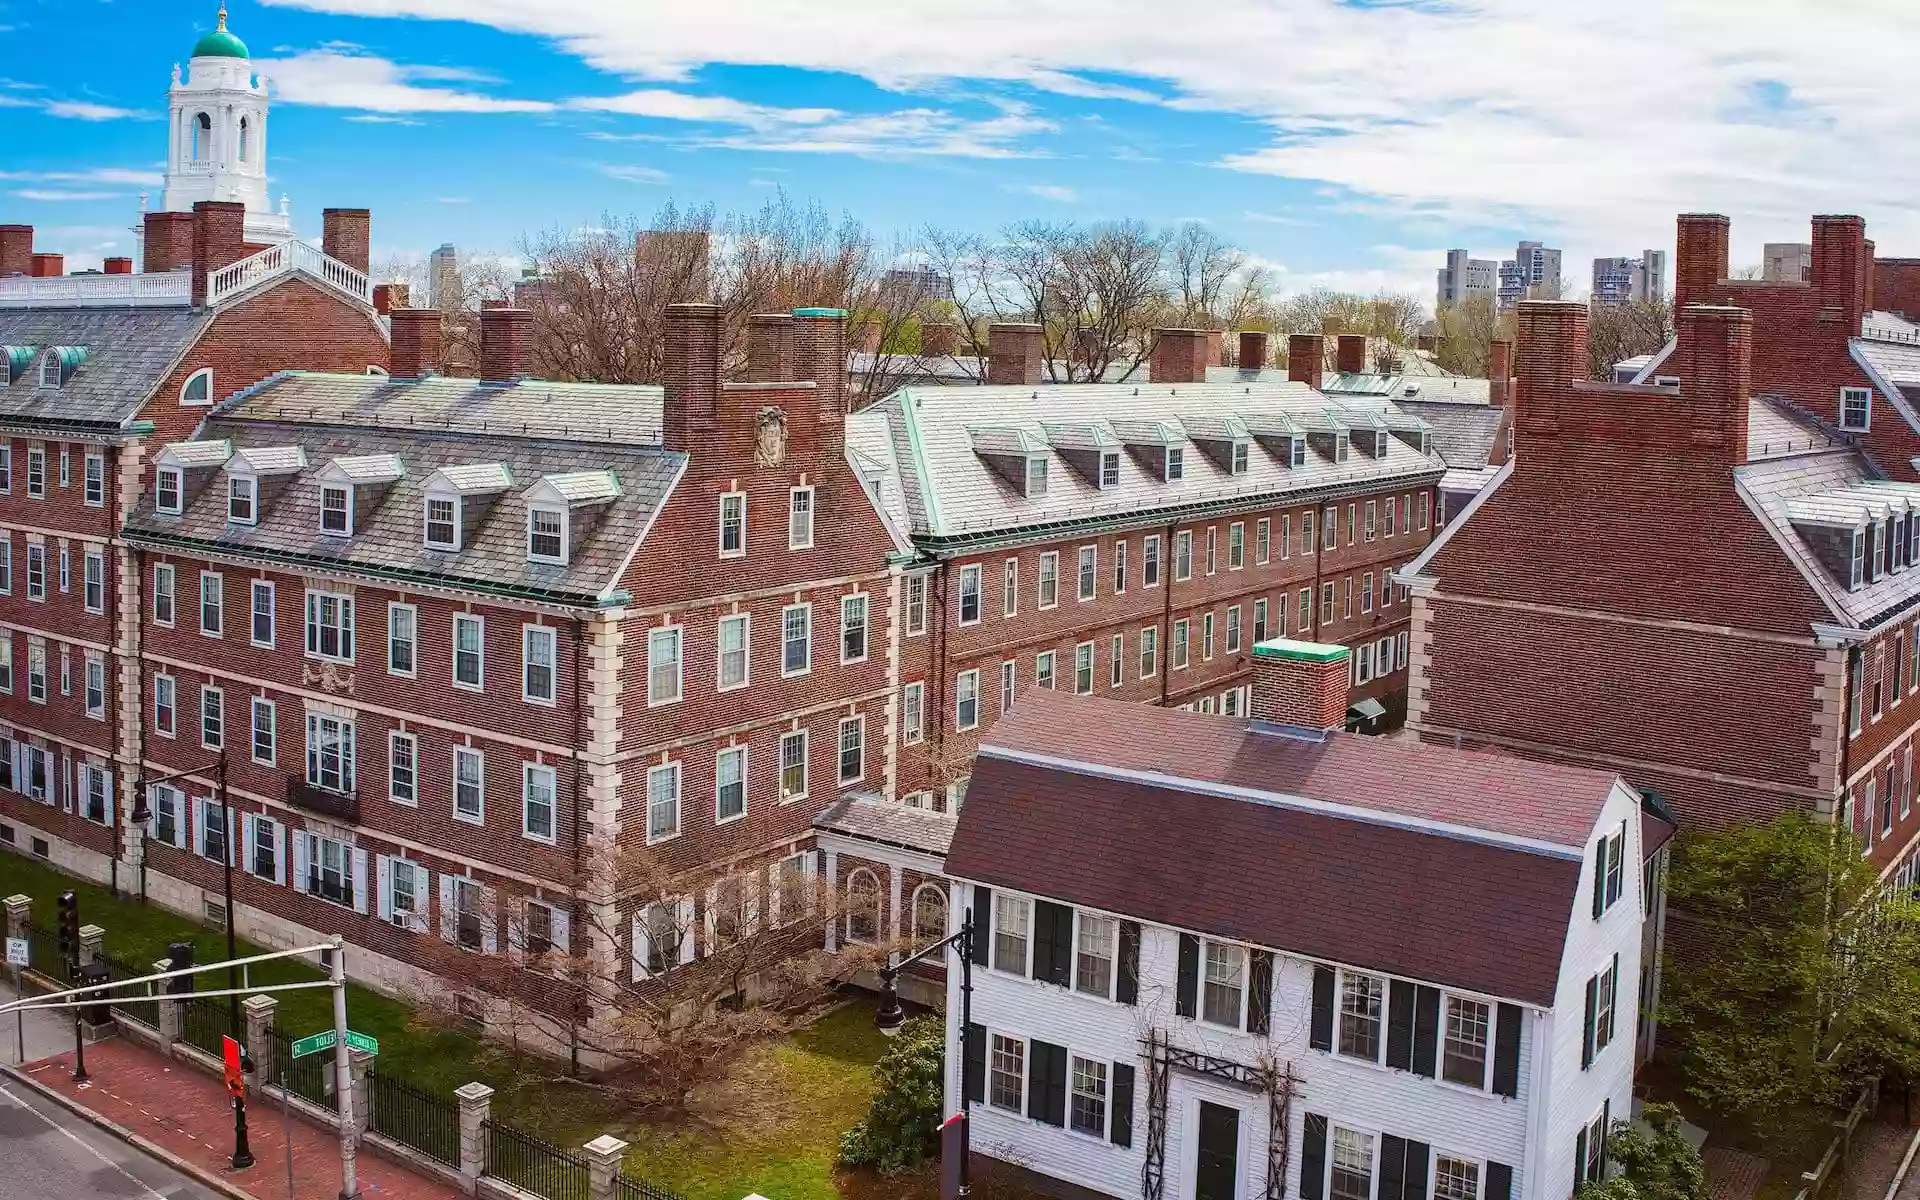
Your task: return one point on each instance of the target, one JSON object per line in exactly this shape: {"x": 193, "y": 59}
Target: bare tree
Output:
{"x": 464, "y": 289}
{"x": 1621, "y": 331}
{"x": 1394, "y": 316}
{"x": 1212, "y": 284}
{"x": 1466, "y": 333}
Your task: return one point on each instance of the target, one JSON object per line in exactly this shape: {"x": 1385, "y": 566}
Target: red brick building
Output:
{"x": 1707, "y": 588}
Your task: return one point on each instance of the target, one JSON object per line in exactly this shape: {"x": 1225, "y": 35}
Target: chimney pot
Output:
{"x": 1350, "y": 354}
{"x": 347, "y": 234}
{"x": 1013, "y": 353}
{"x": 415, "y": 348}
{"x": 16, "y": 250}
{"x": 1179, "y": 356}
{"x": 1307, "y": 358}
{"x": 503, "y": 333}
{"x": 1253, "y": 350}
{"x": 1301, "y": 684}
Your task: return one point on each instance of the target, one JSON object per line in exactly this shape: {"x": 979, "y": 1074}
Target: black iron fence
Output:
{"x": 415, "y": 1118}
{"x": 532, "y": 1165}
{"x": 204, "y": 1022}
{"x": 43, "y": 953}
{"x": 127, "y": 1002}
{"x": 628, "y": 1188}
{"x": 306, "y": 1077}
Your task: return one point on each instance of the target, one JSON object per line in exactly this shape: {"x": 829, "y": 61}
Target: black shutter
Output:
{"x": 1313, "y": 1156}
{"x": 1260, "y": 997}
{"x": 1426, "y": 1030}
{"x": 1613, "y": 1000}
{"x": 1186, "y": 1000}
{"x": 1499, "y": 1182}
{"x": 1606, "y": 1132}
{"x": 982, "y": 924}
{"x": 1322, "y": 1033}
{"x": 1126, "y": 985}
{"x": 1047, "y": 1082}
{"x": 1586, "y": 1034}
{"x": 1052, "y": 943}
{"x": 973, "y": 1068}
{"x": 1400, "y": 1024}
{"x": 1393, "y": 1163}
{"x": 1416, "y": 1177}
{"x": 1580, "y": 1159}
{"x": 1122, "y": 1104}
{"x": 1506, "y": 1053}
{"x": 1600, "y": 879}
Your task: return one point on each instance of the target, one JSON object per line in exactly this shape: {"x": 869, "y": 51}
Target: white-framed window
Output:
{"x": 36, "y": 571}
{"x": 1149, "y": 651}
{"x": 336, "y": 509}
{"x": 913, "y": 713}
{"x": 66, "y": 568}
{"x": 969, "y": 594}
{"x": 215, "y": 840}
{"x": 662, "y": 937}
{"x": 1182, "y": 555}
{"x": 404, "y": 902}
{"x": 793, "y": 766}
{"x": 796, "y": 639}
{"x": 664, "y": 662}
{"x": 1856, "y": 408}
{"x": 36, "y": 471}
{"x": 1181, "y": 646}
{"x": 663, "y": 802}
{"x": 1263, "y": 541}
{"x": 1012, "y": 924}
{"x": 539, "y": 656}
{"x": 1120, "y": 566}
{"x": 6, "y": 667}
{"x": 1047, "y": 587}
{"x": 1213, "y": 548}
{"x": 213, "y": 718}
{"x": 1305, "y": 609}
{"x": 93, "y": 579}
{"x": 734, "y": 641}
{"x": 538, "y": 788}
{"x": 266, "y": 737}
{"x": 261, "y": 855}
{"x": 1093, "y": 954}
{"x": 330, "y": 753}
{"x": 1223, "y": 984}
{"x": 733, "y": 525}
{"x": 165, "y": 693}
{"x": 853, "y": 628}
{"x": 66, "y": 683}
{"x": 243, "y": 500}
{"x": 1605, "y": 986}
{"x": 966, "y": 700}
{"x": 1455, "y": 1178}
{"x": 1010, "y": 588}
{"x": 212, "y": 604}
{"x": 1043, "y": 670}
{"x": 1464, "y": 1056}
{"x": 163, "y": 576}
{"x": 1007, "y": 1073}
{"x": 1089, "y": 573}
{"x": 1366, "y": 592}
{"x": 547, "y": 534}
{"x": 469, "y": 652}
{"x": 469, "y": 785}
{"x": 1362, "y": 1002}
{"x": 1150, "y": 561}
{"x": 403, "y": 768}
{"x": 169, "y": 814}
{"x": 1351, "y": 1171}
{"x": 1009, "y": 671}
{"x": 169, "y": 490}
{"x": 468, "y": 915}
{"x": 853, "y": 752}
{"x": 95, "y": 689}
{"x": 916, "y": 605}
{"x": 403, "y": 639}
{"x": 94, "y": 481}
{"x": 198, "y": 389}
{"x": 800, "y": 518}
{"x": 36, "y": 670}
{"x": 330, "y": 626}
{"x": 260, "y": 613}
{"x": 6, "y": 469}
{"x": 729, "y": 784}
{"x": 1037, "y": 472}
{"x": 95, "y": 788}
{"x": 1233, "y": 629}
{"x": 440, "y": 522}
{"x": 1236, "y": 545}
{"x": 1109, "y": 469}
{"x": 1176, "y": 463}
{"x": 1087, "y": 1097}
{"x": 1083, "y": 669}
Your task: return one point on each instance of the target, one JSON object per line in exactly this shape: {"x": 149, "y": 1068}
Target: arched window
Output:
{"x": 929, "y": 914}
{"x": 246, "y": 131}
{"x": 198, "y": 389}
{"x": 202, "y": 132}
{"x": 50, "y": 368}
{"x": 376, "y": 372}
{"x": 863, "y": 906}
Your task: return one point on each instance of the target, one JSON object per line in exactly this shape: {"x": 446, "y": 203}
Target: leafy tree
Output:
{"x": 1662, "y": 1165}
{"x": 900, "y": 1130}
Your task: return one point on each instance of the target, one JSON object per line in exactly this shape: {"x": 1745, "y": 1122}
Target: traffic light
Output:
{"x": 69, "y": 927}
{"x": 179, "y": 958}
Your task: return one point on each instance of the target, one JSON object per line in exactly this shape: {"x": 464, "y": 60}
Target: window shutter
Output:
{"x": 489, "y": 921}
{"x": 562, "y": 930}
{"x": 233, "y": 837}
{"x": 1613, "y": 996}
{"x": 1606, "y": 1133}
{"x": 973, "y": 1072}
{"x": 1499, "y": 1185}
{"x": 1313, "y": 1154}
{"x": 447, "y": 931}
{"x": 302, "y": 856}
{"x": 422, "y": 884}
{"x": 383, "y": 872}
{"x": 1600, "y": 879}
{"x": 1053, "y": 1096}
{"x": 359, "y": 880}
{"x": 684, "y": 921}
{"x": 1260, "y": 992}
{"x": 1186, "y": 999}
{"x": 1506, "y": 1052}
{"x": 1393, "y": 1167}
{"x": 1580, "y": 1158}
{"x": 1400, "y": 996}
{"x": 246, "y": 839}
{"x": 1053, "y": 943}
{"x": 637, "y": 945}
{"x": 1126, "y": 986}
{"x": 982, "y": 924}
{"x": 1122, "y": 1099}
{"x": 1322, "y": 1033}
{"x": 1586, "y": 1029}
{"x": 1426, "y": 1030}
{"x": 1415, "y": 1185}
{"x": 280, "y": 853}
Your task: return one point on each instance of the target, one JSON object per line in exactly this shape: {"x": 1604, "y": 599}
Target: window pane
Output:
{"x": 1007, "y": 1071}
{"x": 1465, "y": 1057}
{"x": 1225, "y": 980}
{"x": 1360, "y": 1015}
{"x": 1093, "y": 958}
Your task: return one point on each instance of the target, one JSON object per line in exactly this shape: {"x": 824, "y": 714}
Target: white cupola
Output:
{"x": 217, "y": 142}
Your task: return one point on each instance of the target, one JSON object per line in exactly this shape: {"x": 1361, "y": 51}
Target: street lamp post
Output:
{"x": 890, "y": 1017}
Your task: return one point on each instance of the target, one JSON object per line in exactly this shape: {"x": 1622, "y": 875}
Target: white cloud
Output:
{"x": 55, "y": 195}
{"x": 906, "y": 132}
{"x": 1058, "y": 193}
{"x": 121, "y": 175}
{"x": 681, "y": 106}
{"x": 86, "y": 110}
{"x": 631, "y": 174}
{"x": 381, "y": 119}
{"x": 333, "y": 79}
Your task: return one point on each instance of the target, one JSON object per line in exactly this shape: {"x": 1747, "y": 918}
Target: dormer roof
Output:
{"x": 1006, "y": 439}
{"x": 1150, "y": 431}
{"x": 195, "y": 456}
{"x": 1079, "y": 435}
{"x": 471, "y": 479}
{"x": 373, "y": 469}
{"x": 575, "y": 489}
{"x": 268, "y": 460}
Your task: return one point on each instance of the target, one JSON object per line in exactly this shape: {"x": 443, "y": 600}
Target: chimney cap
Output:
{"x": 819, "y": 312}
{"x": 1298, "y": 651}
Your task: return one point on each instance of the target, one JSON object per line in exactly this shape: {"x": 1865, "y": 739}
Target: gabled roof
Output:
{"x": 603, "y": 412}
{"x": 195, "y": 455}
{"x": 129, "y": 352}
{"x": 1791, "y": 495}
{"x": 268, "y": 460}
{"x": 1465, "y": 435}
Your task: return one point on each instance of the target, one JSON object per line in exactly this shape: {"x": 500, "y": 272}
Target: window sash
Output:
{"x": 796, "y": 640}
{"x": 469, "y": 669}
{"x": 469, "y": 784}
{"x": 330, "y": 753}
{"x": 663, "y": 802}
{"x": 539, "y": 646}
{"x": 730, "y": 783}
{"x": 793, "y": 765}
{"x": 403, "y": 638}
{"x": 733, "y": 654}
{"x": 1361, "y": 998}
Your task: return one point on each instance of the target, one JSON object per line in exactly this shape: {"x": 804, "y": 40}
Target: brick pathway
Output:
{"x": 1878, "y": 1147}
{"x": 1732, "y": 1175}
{"x": 186, "y": 1112}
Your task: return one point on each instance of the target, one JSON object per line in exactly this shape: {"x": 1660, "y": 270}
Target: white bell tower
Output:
{"x": 217, "y": 140}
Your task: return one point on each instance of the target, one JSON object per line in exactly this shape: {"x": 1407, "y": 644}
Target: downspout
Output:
{"x": 1319, "y": 540}
{"x": 108, "y": 470}
{"x": 140, "y": 694}
{"x": 1165, "y": 635}
{"x": 937, "y": 586}
{"x": 573, "y": 1022}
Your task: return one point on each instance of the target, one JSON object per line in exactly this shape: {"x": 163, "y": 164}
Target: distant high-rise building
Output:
{"x": 1463, "y": 277}
{"x": 443, "y": 278}
{"x": 1619, "y": 280}
{"x": 914, "y": 287}
{"x": 1790, "y": 262}
{"x": 1652, "y": 283}
{"x": 1533, "y": 273}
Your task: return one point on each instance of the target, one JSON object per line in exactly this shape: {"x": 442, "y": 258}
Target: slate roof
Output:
{"x": 1773, "y": 486}
{"x": 1322, "y": 849}
{"x": 603, "y": 412}
{"x": 1899, "y": 362}
{"x": 887, "y": 823}
{"x": 921, "y": 441}
{"x": 129, "y": 352}
{"x": 1466, "y": 435}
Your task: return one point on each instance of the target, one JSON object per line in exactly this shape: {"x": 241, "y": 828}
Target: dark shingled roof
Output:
{"x": 611, "y": 412}
{"x": 129, "y": 351}
{"x": 1464, "y": 435}
{"x": 1305, "y": 858}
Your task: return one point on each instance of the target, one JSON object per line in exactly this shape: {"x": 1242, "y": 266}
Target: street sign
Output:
{"x": 326, "y": 1041}
{"x": 17, "y": 952}
{"x": 360, "y": 1041}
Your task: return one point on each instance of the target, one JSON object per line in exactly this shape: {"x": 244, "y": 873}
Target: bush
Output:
{"x": 1660, "y": 1165}
{"x": 901, "y": 1129}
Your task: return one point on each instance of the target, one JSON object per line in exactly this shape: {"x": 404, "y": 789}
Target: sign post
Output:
{"x": 19, "y": 954}
{"x": 235, "y": 1071}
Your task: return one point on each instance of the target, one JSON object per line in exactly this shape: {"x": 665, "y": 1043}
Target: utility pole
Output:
{"x": 343, "y": 1077}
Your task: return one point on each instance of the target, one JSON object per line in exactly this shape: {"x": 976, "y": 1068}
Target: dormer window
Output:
{"x": 1857, "y": 560}
{"x": 1241, "y": 456}
{"x": 1176, "y": 463}
{"x": 443, "y": 523}
{"x": 1879, "y": 550}
{"x": 50, "y": 373}
{"x": 336, "y": 510}
{"x": 1036, "y": 476}
{"x": 1110, "y": 469}
{"x": 547, "y": 534}
{"x": 243, "y": 497}
{"x": 1380, "y": 443}
{"x": 169, "y": 485}
{"x": 1856, "y": 408}
{"x": 1296, "y": 452}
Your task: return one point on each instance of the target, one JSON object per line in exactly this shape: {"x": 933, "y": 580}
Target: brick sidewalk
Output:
{"x": 187, "y": 1113}
{"x": 1732, "y": 1175}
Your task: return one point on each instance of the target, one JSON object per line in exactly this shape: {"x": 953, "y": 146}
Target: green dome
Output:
{"x": 220, "y": 44}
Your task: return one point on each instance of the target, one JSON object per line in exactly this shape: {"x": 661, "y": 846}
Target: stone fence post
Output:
{"x": 166, "y": 1008}
{"x": 358, "y": 1063}
{"x": 476, "y": 1104}
{"x": 92, "y": 941}
{"x": 259, "y": 1012}
{"x": 19, "y": 925}
{"x": 603, "y": 1165}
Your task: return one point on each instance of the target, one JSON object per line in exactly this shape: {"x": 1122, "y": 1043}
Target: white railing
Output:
{"x": 284, "y": 259}
{"x": 84, "y": 291}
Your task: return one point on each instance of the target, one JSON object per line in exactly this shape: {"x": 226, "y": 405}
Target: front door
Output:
{"x": 1217, "y": 1166}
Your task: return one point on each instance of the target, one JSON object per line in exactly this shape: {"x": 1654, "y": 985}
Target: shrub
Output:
{"x": 901, "y": 1128}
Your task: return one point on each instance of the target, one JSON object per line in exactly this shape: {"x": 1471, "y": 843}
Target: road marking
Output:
{"x": 81, "y": 1142}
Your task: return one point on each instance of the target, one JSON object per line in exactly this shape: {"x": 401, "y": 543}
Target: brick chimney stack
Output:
{"x": 1307, "y": 358}
{"x": 389, "y": 296}
{"x": 769, "y": 347}
{"x": 1301, "y": 684}
{"x": 1868, "y": 244}
{"x": 692, "y": 374}
{"x": 938, "y": 339}
{"x": 1179, "y": 356}
{"x": 414, "y": 352}
{"x": 1253, "y": 350}
{"x": 1350, "y": 354}
{"x": 1500, "y": 373}
{"x": 347, "y": 234}
{"x": 219, "y": 239}
{"x": 1841, "y": 266}
{"x": 118, "y": 265}
{"x": 1714, "y": 356}
{"x": 1013, "y": 353}
{"x": 1552, "y": 353}
{"x": 16, "y": 250}
{"x": 49, "y": 266}
{"x": 819, "y": 349}
{"x": 167, "y": 242}
{"x": 1699, "y": 258}
{"x": 503, "y": 337}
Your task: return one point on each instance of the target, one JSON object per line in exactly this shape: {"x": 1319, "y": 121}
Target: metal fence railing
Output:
{"x": 43, "y": 952}
{"x": 306, "y": 1077}
{"x": 625, "y": 1187}
{"x": 415, "y": 1118}
{"x": 129, "y": 1004}
{"x": 203, "y": 1022}
{"x": 532, "y": 1165}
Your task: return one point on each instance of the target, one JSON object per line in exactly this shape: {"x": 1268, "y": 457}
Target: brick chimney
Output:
{"x": 1870, "y": 272}
{"x": 1301, "y": 684}
{"x": 16, "y": 250}
{"x": 1425, "y": 343}
{"x": 769, "y": 347}
{"x": 167, "y": 243}
{"x": 691, "y": 375}
{"x": 938, "y": 339}
{"x": 819, "y": 349}
{"x": 118, "y": 265}
{"x": 1253, "y": 350}
{"x": 1216, "y": 347}
{"x": 1307, "y": 358}
{"x": 1350, "y": 354}
{"x": 1841, "y": 266}
{"x": 347, "y": 234}
{"x": 49, "y": 266}
{"x": 389, "y": 296}
{"x": 866, "y": 337}
{"x": 1013, "y": 353}
{"x": 1714, "y": 358}
{"x": 1552, "y": 353}
{"x": 503, "y": 344}
{"x": 1699, "y": 258}
{"x": 1179, "y": 356}
{"x": 219, "y": 239}
{"x": 414, "y": 352}
{"x": 1500, "y": 373}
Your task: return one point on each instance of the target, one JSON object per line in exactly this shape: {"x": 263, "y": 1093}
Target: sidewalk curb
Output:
{"x": 151, "y": 1149}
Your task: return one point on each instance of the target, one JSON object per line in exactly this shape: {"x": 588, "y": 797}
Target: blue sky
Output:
{"x": 1345, "y": 142}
